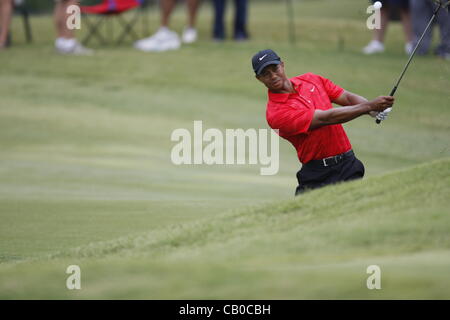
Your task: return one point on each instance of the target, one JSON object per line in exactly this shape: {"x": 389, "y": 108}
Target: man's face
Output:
{"x": 273, "y": 77}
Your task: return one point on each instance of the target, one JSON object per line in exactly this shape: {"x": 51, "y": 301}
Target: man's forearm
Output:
{"x": 349, "y": 99}
{"x": 338, "y": 115}
{"x": 354, "y": 99}
{"x": 347, "y": 113}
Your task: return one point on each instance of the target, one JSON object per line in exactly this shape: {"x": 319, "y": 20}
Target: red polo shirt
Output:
{"x": 292, "y": 113}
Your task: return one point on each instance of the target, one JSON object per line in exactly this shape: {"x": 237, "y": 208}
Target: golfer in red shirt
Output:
{"x": 301, "y": 109}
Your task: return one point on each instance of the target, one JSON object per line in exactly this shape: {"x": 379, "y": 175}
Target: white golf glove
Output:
{"x": 380, "y": 115}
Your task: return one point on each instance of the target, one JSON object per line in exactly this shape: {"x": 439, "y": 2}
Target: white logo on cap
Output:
{"x": 263, "y": 57}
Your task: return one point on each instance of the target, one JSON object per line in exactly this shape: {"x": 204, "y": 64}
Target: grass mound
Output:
{"x": 316, "y": 246}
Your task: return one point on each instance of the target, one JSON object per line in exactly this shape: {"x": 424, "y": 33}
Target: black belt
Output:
{"x": 330, "y": 161}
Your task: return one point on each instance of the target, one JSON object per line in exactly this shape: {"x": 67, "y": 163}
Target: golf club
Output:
{"x": 441, "y": 5}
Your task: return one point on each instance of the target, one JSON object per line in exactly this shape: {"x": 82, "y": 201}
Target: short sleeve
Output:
{"x": 291, "y": 120}
{"x": 333, "y": 90}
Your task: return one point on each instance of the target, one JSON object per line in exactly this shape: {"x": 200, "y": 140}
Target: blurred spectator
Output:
{"x": 5, "y": 19}
{"x": 377, "y": 43}
{"x": 422, "y": 11}
{"x": 240, "y": 20}
{"x": 65, "y": 42}
{"x": 165, "y": 39}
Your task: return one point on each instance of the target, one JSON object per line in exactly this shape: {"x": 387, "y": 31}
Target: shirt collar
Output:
{"x": 283, "y": 97}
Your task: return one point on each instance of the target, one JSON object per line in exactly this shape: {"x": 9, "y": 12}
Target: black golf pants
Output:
{"x": 314, "y": 174}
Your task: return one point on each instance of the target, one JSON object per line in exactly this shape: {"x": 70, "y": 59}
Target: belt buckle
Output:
{"x": 335, "y": 159}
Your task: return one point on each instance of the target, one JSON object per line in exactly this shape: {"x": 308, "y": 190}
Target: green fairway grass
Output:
{"x": 317, "y": 246}
{"x": 86, "y": 176}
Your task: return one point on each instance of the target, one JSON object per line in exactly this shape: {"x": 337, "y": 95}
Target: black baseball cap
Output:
{"x": 263, "y": 59}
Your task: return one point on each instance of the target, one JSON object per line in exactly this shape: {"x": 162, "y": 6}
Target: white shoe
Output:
{"x": 409, "y": 48}
{"x": 374, "y": 46}
{"x": 189, "y": 35}
{"x": 164, "y": 39}
{"x": 71, "y": 46}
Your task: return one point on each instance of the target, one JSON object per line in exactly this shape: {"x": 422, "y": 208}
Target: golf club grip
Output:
{"x": 394, "y": 89}
{"x": 391, "y": 94}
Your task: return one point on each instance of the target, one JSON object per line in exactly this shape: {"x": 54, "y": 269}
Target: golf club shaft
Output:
{"x": 378, "y": 121}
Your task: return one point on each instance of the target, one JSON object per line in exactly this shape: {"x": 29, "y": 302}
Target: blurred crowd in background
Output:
{"x": 414, "y": 16}
{"x": 162, "y": 40}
